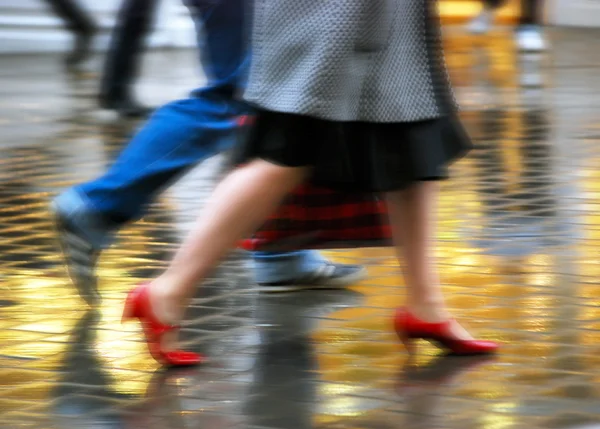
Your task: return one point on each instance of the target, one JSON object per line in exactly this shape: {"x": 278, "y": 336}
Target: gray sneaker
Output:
{"x": 326, "y": 276}
{"x": 482, "y": 23}
{"x": 81, "y": 240}
{"x": 530, "y": 38}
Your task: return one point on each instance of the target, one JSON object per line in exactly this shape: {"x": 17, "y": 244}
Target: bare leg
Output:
{"x": 413, "y": 218}
{"x": 240, "y": 204}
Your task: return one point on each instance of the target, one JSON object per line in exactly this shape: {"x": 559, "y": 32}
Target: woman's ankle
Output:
{"x": 429, "y": 310}
{"x": 167, "y": 305}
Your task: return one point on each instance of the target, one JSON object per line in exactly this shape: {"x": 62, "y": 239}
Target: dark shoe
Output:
{"x": 81, "y": 50}
{"x": 326, "y": 276}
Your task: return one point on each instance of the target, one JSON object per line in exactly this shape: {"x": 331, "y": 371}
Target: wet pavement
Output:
{"x": 519, "y": 252}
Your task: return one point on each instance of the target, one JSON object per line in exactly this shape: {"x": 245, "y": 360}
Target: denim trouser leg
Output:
{"x": 176, "y": 138}
{"x": 186, "y": 132}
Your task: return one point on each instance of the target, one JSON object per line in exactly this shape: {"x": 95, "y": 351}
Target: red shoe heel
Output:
{"x": 409, "y": 328}
{"x": 137, "y": 305}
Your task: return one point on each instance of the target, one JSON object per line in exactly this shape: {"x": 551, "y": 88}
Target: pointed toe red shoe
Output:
{"x": 137, "y": 305}
{"x": 410, "y": 328}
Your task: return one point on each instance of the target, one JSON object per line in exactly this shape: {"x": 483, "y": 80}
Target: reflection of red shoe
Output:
{"x": 442, "y": 371}
{"x": 138, "y": 306}
{"x": 409, "y": 328}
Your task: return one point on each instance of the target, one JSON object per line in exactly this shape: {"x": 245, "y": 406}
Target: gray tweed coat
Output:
{"x": 349, "y": 60}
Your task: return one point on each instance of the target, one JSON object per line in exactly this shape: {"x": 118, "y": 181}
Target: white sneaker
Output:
{"x": 482, "y": 23}
{"x": 327, "y": 276}
{"x": 530, "y": 39}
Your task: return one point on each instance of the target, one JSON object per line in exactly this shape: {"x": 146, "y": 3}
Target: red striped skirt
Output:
{"x": 320, "y": 218}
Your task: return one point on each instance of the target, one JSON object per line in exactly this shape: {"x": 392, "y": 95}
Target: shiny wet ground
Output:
{"x": 519, "y": 251}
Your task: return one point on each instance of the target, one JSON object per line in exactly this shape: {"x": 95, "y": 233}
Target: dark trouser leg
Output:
{"x": 493, "y": 4}
{"x": 183, "y": 133}
{"x": 529, "y": 12}
{"x": 78, "y": 21}
{"x": 75, "y": 17}
{"x": 122, "y": 60}
{"x": 529, "y": 9}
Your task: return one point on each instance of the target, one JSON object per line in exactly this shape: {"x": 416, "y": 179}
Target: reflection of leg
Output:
{"x": 123, "y": 57}
{"x": 283, "y": 392}
{"x": 412, "y": 214}
{"x": 492, "y": 171}
{"x": 80, "y": 23}
{"x": 422, "y": 388}
{"x": 536, "y": 186}
{"x": 76, "y": 402}
{"x": 531, "y": 75}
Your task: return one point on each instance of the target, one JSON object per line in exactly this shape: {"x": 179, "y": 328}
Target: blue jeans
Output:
{"x": 184, "y": 133}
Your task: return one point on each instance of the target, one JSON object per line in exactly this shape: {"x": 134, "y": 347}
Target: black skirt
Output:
{"x": 359, "y": 156}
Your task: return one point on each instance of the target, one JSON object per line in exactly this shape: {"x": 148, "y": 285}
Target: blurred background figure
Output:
{"x": 528, "y": 34}
{"x": 134, "y": 23}
{"x": 81, "y": 24}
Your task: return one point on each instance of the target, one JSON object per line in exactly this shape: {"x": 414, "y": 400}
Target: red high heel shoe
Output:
{"x": 409, "y": 328}
{"x": 137, "y": 305}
